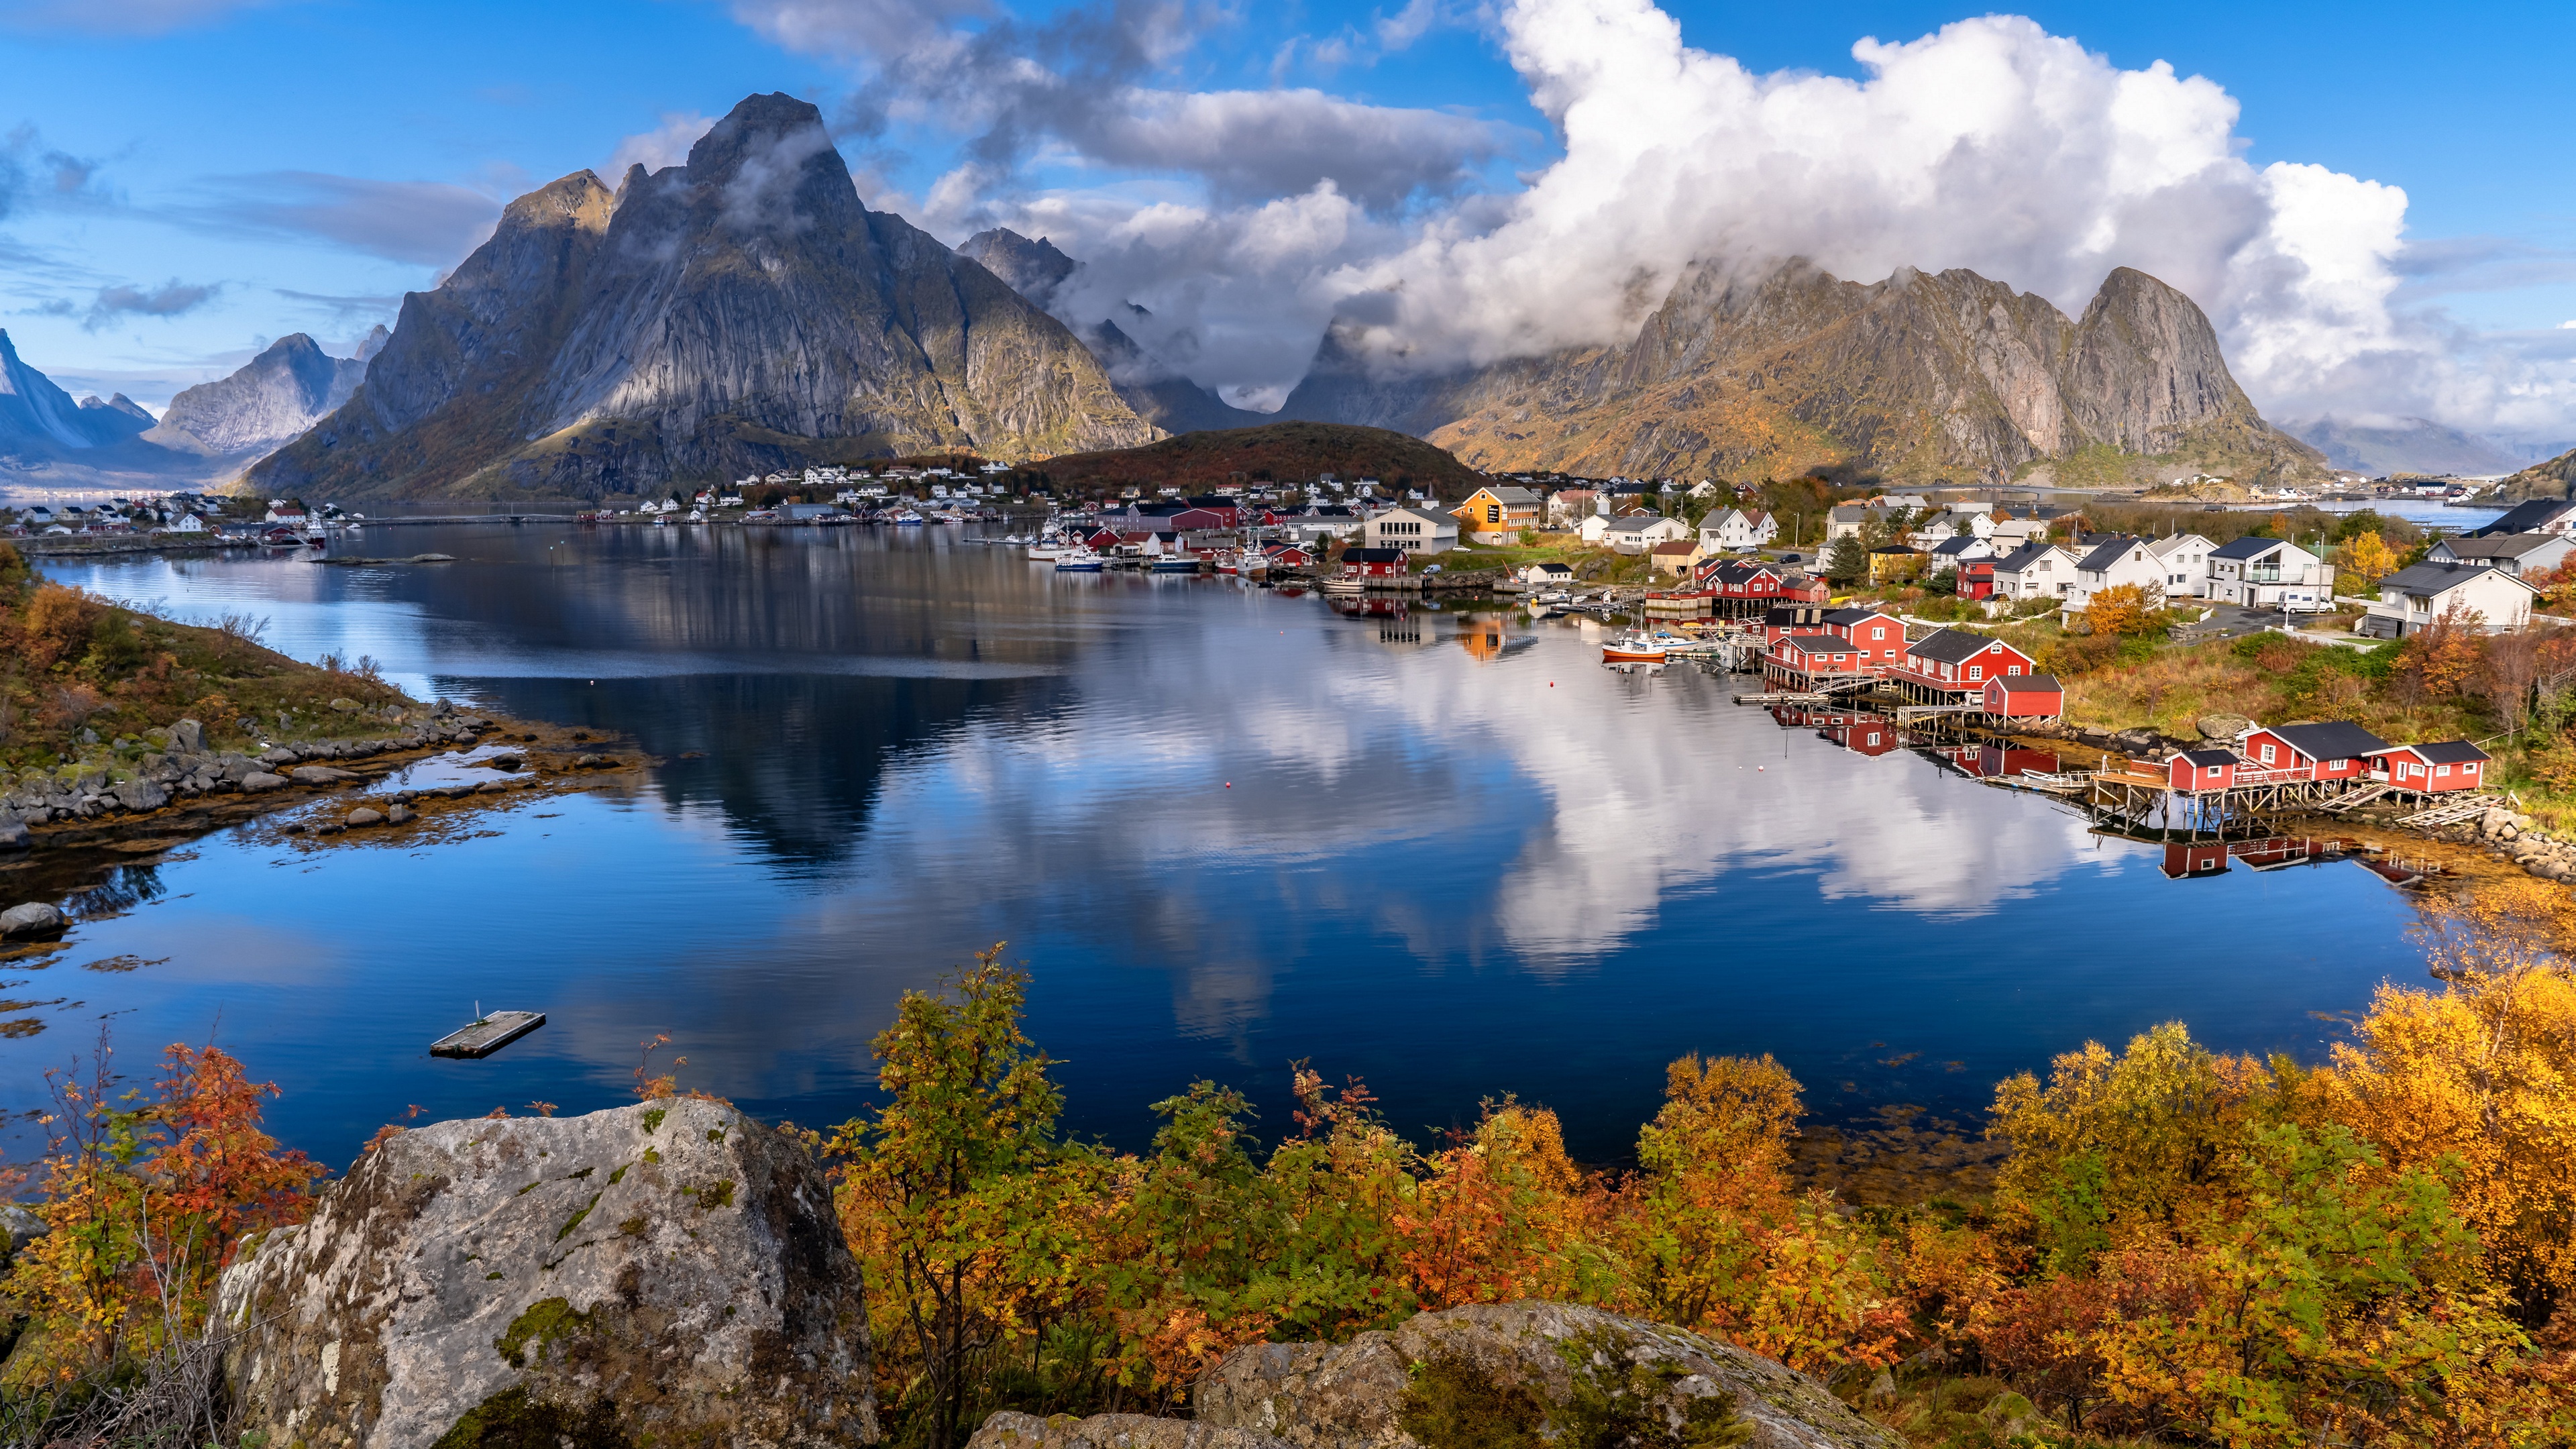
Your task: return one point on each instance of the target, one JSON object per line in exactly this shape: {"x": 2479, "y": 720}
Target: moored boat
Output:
{"x": 1632, "y": 649}
{"x": 1078, "y": 561}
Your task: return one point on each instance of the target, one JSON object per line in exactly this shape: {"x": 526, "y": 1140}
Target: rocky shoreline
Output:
{"x": 182, "y": 788}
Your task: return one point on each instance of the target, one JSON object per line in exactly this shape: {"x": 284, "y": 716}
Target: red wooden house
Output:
{"x": 1373, "y": 563}
{"x": 1877, "y": 640}
{"x": 1287, "y": 556}
{"x": 2431, "y": 769}
{"x": 2195, "y": 771}
{"x": 2024, "y": 696}
{"x": 1781, "y": 620}
{"x": 2333, "y": 750}
{"x": 1955, "y": 664}
{"x": 1977, "y": 580}
{"x": 1812, "y": 656}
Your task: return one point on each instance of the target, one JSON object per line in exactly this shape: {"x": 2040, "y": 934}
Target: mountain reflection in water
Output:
{"x": 1226, "y": 827}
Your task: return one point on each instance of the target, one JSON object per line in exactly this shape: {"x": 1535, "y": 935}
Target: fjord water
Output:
{"x": 1226, "y": 828}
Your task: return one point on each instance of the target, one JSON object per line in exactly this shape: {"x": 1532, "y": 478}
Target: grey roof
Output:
{"x": 2428, "y": 579}
{"x": 2203, "y": 759}
{"x": 1852, "y": 615}
{"x": 2022, "y": 557}
{"x": 2452, "y": 752}
{"x": 2108, "y": 551}
{"x": 2527, "y": 515}
{"x": 2029, "y": 683}
{"x": 1950, "y": 646}
{"x": 1509, "y": 494}
{"x": 1634, "y": 522}
{"x": 2333, "y": 739}
{"x": 2250, "y": 546}
{"x": 1854, "y": 512}
{"x": 1960, "y": 544}
{"x": 2498, "y": 545}
{"x": 1817, "y": 643}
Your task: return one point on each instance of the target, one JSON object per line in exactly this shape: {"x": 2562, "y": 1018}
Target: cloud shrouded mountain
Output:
{"x": 743, "y": 311}
{"x": 1989, "y": 145}
{"x": 1923, "y": 376}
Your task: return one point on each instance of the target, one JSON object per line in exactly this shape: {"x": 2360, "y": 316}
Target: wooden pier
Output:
{"x": 489, "y": 1035}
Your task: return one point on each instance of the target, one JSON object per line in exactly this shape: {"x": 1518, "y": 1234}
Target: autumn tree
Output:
{"x": 955, "y": 1193}
{"x": 2125, "y": 609}
{"x": 147, "y": 1196}
{"x": 2442, "y": 656}
{"x": 2367, "y": 557}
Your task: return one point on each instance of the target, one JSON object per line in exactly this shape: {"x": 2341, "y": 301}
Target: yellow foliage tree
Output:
{"x": 2367, "y": 557}
{"x": 2481, "y": 1075}
{"x": 2125, "y": 609}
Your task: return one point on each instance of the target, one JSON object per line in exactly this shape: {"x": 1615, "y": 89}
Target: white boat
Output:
{"x": 1047, "y": 552}
{"x": 907, "y": 520}
{"x": 1078, "y": 561}
{"x": 1633, "y": 649}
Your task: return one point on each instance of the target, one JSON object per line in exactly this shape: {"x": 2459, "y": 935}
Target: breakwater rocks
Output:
{"x": 2509, "y": 835}
{"x": 1522, "y": 1366}
{"x": 667, "y": 1273}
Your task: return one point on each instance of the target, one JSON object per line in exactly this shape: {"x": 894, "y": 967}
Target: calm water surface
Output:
{"x": 1226, "y": 829}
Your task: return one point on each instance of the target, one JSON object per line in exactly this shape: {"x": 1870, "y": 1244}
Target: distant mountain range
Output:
{"x": 1285, "y": 451}
{"x": 745, "y": 312}
{"x": 2415, "y": 445}
{"x": 742, "y": 312}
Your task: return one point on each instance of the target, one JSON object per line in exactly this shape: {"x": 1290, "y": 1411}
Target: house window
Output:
{"x": 2267, "y": 754}
{"x": 2016, "y": 669}
{"x": 2442, "y": 772}
{"x": 1976, "y": 671}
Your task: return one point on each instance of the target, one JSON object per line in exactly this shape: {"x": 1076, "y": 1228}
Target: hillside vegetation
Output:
{"x": 1282, "y": 452}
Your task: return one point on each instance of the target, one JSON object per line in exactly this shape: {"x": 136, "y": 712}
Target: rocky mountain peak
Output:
{"x": 274, "y": 397}
{"x": 743, "y": 311}
{"x": 1923, "y": 377}
{"x": 1034, "y": 269}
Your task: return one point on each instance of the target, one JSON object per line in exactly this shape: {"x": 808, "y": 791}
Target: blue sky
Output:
{"x": 185, "y": 179}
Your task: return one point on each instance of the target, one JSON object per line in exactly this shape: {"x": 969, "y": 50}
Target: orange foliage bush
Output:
{"x": 55, "y": 624}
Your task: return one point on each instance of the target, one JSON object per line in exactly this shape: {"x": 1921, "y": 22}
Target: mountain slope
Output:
{"x": 743, "y": 311}
{"x": 39, "y": 421}
{"x": 1922, "y": 377}
{"x": 1287, "y": 452}
{"x": 269, "y": 402}
{"x": 1038, "y": 269}
{"x": 2414, "y": 445}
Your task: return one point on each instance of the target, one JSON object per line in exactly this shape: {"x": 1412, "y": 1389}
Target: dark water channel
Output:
{"x": 1226, "y": 828}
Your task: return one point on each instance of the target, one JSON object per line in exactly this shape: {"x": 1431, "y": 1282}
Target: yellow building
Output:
{"x": 1497, "y": 515}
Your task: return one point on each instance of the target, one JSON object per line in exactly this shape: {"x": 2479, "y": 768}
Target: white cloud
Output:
{"x": 1989, "y": 144}
{"x": 666, "y": 144}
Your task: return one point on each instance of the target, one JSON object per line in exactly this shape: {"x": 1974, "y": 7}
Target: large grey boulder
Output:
{"x": 13, "y": 832}
{"x": 259, "y": 780}
{"x": 2222, "y": 726}
{"x": 142, "y": 795}
{"x": 1348, "y": 1396}
{"x": 35, "y": 918}
{"x": 188, "y": 737}
{"x": 669, "y": 1273}
{"x": 320, "y": 775}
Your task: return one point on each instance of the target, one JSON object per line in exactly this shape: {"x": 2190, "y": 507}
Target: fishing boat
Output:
{"x": 907, "y": 519}
{"x": 1632, "y": 649}
{"x": 1047, "y": 552}
{"x": 1078, "y": 560}
{"x": 1174, "y": 563}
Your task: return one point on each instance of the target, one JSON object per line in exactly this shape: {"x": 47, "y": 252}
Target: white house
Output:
{"x": 1412, "y": 530}
{"x": 1634, "y": 532}
{"x": 2186, "y": 562}
{"x": 2119, "y": 560}
{"x": 2525, "y": 555}
{"x": 188, "y": 523}
{"x": 1738, "y": 528}
{"x": 2035, "y": 571}
{"x": 1949, "y": 553}
{"x": 2270, "y": 573}
{"x": 1846, "y": 520}
{"x": 2415, "y": 596}
{"x": 1568, "y": 505}
{"x": 1956, "y": 523}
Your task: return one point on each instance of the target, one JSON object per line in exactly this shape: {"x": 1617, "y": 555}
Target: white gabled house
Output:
{"x": 2416, "y": 595}
{"x": 2526, "y": 555}
{"x": 1635, "y": 532}
{"x": 1738, "y": 528}
{"x": 2185, "y": 557}
{"x": 2270, "y": 573}
{"x": 2035, "y": 571}
{"x": 1413, "y": 530}
{"x": 2119, "y": 560}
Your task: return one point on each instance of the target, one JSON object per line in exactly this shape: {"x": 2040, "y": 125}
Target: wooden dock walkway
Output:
{"x": 489, "y": 1035}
